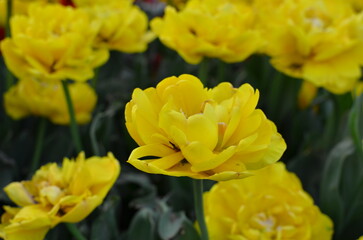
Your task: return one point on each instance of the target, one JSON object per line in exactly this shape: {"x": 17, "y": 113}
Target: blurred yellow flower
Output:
{"x": 316, "y": 40}
{"x": 184, "y": 129}
{"x": 269, "y": 205}
{"x": 209, "y": 28}
{"x": 357, "y": 5}
{"x": 30, "y": 222}
{"x": 53, "y": 43}
{"x": 123, "y": 26}
{"x": 307, "y": 93}
{"x": 68, "y": 193}
{"x": 18, "y": 7}
{"x": 30, "y": 97}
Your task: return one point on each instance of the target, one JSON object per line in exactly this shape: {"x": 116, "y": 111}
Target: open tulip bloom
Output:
{"x": 57, "y": 194}
{"x": 184, "y": 129}
{"x": 269, "y": 205}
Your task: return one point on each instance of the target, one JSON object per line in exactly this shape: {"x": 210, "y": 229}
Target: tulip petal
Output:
{"x": 152, "y": 151}
{"x": 203, "y": 159}
{"x": 130, "y": 125}
{"x": 19, "y": 194}
{"x": 30, "y": 222}
{"x": 81, "y": 210}
{"x": 168, "y": 161}
{"x": 186, "y": 85}
{"x": 202, "y": 129}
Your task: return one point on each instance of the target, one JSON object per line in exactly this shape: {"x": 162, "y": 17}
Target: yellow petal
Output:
{"x": 31, "y": 222}
{"x": 104, "y": 171}
{"x": 168, "y": 161}
{"x": 81, "y": 210}
{"x": 19, "y": 194}
{"x": 152, "y": 151}
{"x": 130, "y": 125}
{"x": 202, "y": 129}
{"x": 179, "y": 89}
{"x": 229, "y": 175}
{"x": 203, "y": 159}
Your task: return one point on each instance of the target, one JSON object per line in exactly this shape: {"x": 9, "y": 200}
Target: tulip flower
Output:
{"x": 269, "y": 205}
{"x": 184, "y": 129}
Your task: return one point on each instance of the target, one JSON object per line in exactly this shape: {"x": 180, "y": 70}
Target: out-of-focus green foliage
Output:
{"x": 324, "y": 147}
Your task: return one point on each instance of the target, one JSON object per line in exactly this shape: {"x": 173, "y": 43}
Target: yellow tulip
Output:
{"x": 209, "y": 28}
{"x": 317, "y": 40}
{"x": 269, "y": 205}
{"x": 30, "y": 97}
{"x": 53, "y": 43}
{"x": 30, "y": 222}
{"x": 123, "y": 26}
{"x": 357, "y": 5}
{"x": 19, "y": 7}
{"x": 68, "y": 193}
{"x": 184, "y": 129}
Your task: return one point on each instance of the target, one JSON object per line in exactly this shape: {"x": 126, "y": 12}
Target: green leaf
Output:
{"x": 105, "y": 226}
{"x": 331, "y": 200}
{"x": 188, "y": 232}
{"x": 142, "y": 226}
{"x": 6, "y": 172}
{"x": 170, "y": 224}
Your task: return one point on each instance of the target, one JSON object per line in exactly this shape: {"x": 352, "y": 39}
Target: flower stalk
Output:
{"x": 73, "y": 123}
{"x": 199, "y": 209}
{"x": 274, "y": 94}
{"x": 203, "y": 72}
{"x": 92, "y": 133}
{"x": 95, "y": 78}
{"x": 74, "y": 231}
{"x": 221, "y": 71}
{"x": 9, "y": 7}
{"x": 354, "y": 120}
{"x": 38, "y": 145}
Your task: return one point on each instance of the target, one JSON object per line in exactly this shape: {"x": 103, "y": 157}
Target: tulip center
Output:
{"x": 51, "y": 194}
{"x": 264, "y": 221}
{"x": 316, "y": 20}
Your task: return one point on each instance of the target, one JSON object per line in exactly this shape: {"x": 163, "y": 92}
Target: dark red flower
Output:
{"x": 67, "y": 3}
{"x": 2, "y": 33}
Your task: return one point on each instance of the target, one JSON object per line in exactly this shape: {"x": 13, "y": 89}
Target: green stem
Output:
{"x": 73, "y": 123}
{"x": 354, "y": 121}
{"x": 92, "y": 133}
{"x": 9, "y": 8}
{"x": 38, "y": 145}
{"x": 274, "y": 95}
{"x": 199, "y": 209}
{"x": 203, "y": 72}
{"x": 74, "y": 231}
{"x": 221, "y": 71}
{"x": 95, "y": 78}
{"x": 9, "y": 79}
